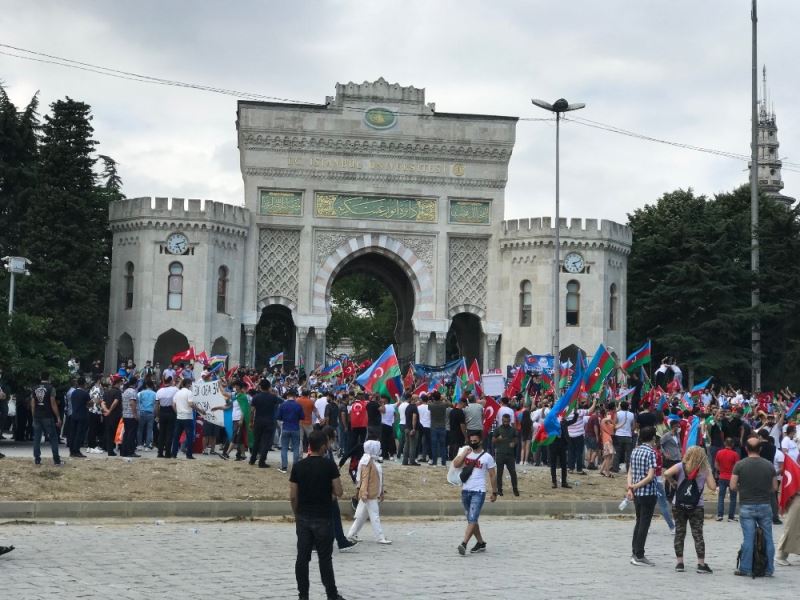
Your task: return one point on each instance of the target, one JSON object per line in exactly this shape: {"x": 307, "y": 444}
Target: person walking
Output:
{"x": 313, "y": 482}
{"x": 291, "y": 414}
{"x": 642, "y": 490}
{"x": 473, "y": 492}
{"x": 46, "y": 419}
{"x": 754, "y": 479}
{"x": 606, "y": 444}
{"x": 726, "y": 459}
{"x": 690, "y": 477}
{"x": 262, "y": 419}
{"x": 505, "y": 442}
{"x": 369, "y": 482}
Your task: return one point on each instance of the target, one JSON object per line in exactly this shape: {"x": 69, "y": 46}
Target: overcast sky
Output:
{"x": 677, "y": 69}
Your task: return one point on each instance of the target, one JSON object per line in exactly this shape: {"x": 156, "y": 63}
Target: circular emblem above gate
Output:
{"x": 380, "y": 118}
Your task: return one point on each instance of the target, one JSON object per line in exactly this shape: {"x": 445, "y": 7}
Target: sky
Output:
{"x": 677, "y": 70}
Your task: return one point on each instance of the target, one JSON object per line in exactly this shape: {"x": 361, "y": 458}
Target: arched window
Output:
{"x": 525, "y": 303}
{"x": 175, "y": 286}
{"x": 128, "y": 285}
{"x": 573, "y": 302}
{"x": 222, "y": 288}
{"x": 612, "y": 307}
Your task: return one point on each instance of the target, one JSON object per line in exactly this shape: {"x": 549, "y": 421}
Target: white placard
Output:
{"x": 206, "y": 395}
{"x": 493, "y": 384}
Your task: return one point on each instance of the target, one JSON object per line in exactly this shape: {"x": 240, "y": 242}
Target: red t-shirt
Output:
{"x": 358, "y": 414}
{"x": 726, "y": 458}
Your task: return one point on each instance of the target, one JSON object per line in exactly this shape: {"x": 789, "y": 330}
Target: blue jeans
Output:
{"x": 439, "y": 445}
{"x": 146, "y": 429}
{"x": 48, "y": 426}
{"x": 663, "y": 505}
{"x": 286, "y": 437}
{"x": 183, "y": 425}
{"x": 472, "y": 503}
{"x": 723, "y": 487}
{"x": 751, "y": 515}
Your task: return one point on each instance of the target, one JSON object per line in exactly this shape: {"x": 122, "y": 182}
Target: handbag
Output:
{"x": 466, "y": 472}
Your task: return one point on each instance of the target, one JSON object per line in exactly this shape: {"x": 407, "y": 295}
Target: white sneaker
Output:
{"x": 384, "y": 541}
{"x": 782, "y": 562}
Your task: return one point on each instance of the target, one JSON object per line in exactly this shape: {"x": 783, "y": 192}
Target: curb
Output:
{"x": 255, "y": 509}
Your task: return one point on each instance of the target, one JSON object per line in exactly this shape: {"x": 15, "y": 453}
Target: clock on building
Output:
{"x": 177, "y": 243}
{"x": 574, "y": 263}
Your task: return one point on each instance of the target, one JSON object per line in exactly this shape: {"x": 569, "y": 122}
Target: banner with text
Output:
{"x": 206, "y": 395}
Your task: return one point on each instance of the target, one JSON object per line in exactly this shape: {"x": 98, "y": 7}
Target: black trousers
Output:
{"x": 77, "y": 434}
{"x": 388, "y": 443}
{"x": 166, "y": 428}
{"x": 357, "y": 437}
{"x": 645, "y": 505}
{"x": 506, "y": 460}
{"x": 129, "y": 436}
{"x": 110, "y": 422}
{"x": 314, "y": 533}
{"x": 558, "y": 454}
{"x": 96, "y": 437}
{"x": 263, "y": 433}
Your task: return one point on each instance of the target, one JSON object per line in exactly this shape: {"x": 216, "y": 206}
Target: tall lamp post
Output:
{"x": 559, "y": 107}
{"x": 15, "y": 265}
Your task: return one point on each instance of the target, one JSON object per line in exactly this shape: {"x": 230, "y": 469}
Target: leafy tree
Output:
{"x": 28, "y": 347}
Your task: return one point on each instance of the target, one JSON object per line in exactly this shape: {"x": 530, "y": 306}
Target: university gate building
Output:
{"x": 376, "y": 181}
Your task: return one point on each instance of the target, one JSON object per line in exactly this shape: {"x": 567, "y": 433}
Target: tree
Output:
{"x": 28, "y": 348}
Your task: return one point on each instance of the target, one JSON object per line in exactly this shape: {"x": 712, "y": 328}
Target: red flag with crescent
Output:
{"x": 790, "y": 485}
{"x": 490, "y": 409}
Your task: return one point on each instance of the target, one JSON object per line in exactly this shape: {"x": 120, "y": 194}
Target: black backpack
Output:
{"x": 760, "y": 559}
{"x": 687, "y": 496}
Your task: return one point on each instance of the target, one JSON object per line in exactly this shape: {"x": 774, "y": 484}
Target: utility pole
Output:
{"x": 755, "y": 299}
{"x": 15, "y": 265}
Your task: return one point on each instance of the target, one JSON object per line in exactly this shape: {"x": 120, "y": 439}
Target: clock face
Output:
{"x": 573, "y": 262}
{"x": 177, "y": 243}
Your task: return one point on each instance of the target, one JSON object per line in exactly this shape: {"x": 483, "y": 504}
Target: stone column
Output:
{"x": 441, "y": 338}
{"x": 319, "y": 347}
{"x": 250, "y": 345}
{"x": 491, "y": 352}
{"x": 302, "y": 355}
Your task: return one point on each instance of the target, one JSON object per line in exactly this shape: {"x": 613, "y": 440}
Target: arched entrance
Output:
{"x": 124, "y": 349}
{"x": 220, "y": 346}
{"x": 379, "y": 325}
{"x": 167, "y": 345}
{"x": 520, "y": 356}
{"x": 275, "y": 333}
{"x": 464, "y": 338}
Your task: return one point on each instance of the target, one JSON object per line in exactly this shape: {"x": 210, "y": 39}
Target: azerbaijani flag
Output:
{"x": 698, "y": 389}
{"x": 514, "y": 386}
{"x": 547, "y": 382}
{"x": 434, "y": 385}
{"x": 686, "y": 402}
{"x": 384, "y": 376}
{"x": 693, "y": 435}
{"x": 458, "y": 392}
{"x": 793, "y": 408}
{"x": 602, "y": 364}
{"x": 638, "y": 358}
{"x": 276, "y": 360}
{"x": 570, "y": 397}
{"x": 332, "y": 370}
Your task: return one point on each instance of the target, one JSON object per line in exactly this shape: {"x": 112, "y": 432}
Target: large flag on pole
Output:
{"x": 185, "y": 356}
{"x": 276, "y": 360}
{"x": 475, "y": 378}
{"x": 693, "y": 435}
{"x": 384, "y": 376}
{"x": 793, "y": 408}
{"x": 790, "y": 485}
{"x": 332, "y": 370}
{"x": 639, "y": 358}
{"x": 602, "y": 364}
{"x": 698, "y": 389}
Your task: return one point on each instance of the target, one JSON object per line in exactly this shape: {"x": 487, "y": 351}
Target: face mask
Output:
{"x": 474, "y": 445}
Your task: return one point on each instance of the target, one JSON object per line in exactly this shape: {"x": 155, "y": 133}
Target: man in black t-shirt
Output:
{"x": 80, "y": 401}
{"x": 458, "y": 429}
{"x": 374, "y": 416}
{"x": 111, "y": 407}
{"x": 262, "y": 421}
{"x": 46, "y": 419}
{"x": 313, "y": 483}
{"x": 412, "y": 433}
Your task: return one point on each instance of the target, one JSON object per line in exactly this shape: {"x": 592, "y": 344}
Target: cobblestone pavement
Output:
{"x": 246, "y": 561}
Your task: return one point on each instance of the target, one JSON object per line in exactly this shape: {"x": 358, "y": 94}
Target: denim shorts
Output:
{"x": 472, "y": 502}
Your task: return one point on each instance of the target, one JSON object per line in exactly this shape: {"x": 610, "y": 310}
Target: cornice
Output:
{"x": 164, "y": 224}
{"x": 599, "y": 244}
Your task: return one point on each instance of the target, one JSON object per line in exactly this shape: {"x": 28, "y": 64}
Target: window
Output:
{"x": 222, "y": 288}
{"x": 573, "y": 302}
{"x": 175, "y": 286}
{"x": 128, "y": 285}
{"x": 525, "y": 302}
{"x": 612, "y": 307}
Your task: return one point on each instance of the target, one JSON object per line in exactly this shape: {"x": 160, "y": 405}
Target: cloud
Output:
{"x": 677, "y": 70}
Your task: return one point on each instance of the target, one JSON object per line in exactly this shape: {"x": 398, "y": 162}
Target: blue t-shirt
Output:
{"x": 147, "y": 401}
{"x": 291, "y": 413}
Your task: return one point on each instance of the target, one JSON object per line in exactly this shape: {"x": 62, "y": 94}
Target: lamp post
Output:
{"x": 558, "y": 107}
{"x": 15, "y": 265}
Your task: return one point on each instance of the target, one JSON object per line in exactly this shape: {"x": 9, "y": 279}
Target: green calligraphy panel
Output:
{"x": 390, "y": 208}
{"x": 470, "y": 212}
{"x": 281, "y": 204}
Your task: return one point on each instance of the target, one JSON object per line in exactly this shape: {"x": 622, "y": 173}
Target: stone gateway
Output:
{"x": 374, "y": 181}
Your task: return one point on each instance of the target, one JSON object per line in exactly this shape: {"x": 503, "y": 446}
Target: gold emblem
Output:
{"x": 458, "y": 170}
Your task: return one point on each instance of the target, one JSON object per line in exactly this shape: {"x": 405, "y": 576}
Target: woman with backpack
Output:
{"x": 690, "y": 477}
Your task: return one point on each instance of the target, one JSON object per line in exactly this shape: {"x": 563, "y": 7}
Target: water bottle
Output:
{"x": 624, "y": 504}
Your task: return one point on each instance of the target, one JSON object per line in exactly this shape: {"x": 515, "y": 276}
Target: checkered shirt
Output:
{"x": 643, "y": 458}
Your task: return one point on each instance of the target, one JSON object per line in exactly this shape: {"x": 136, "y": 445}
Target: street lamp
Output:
{"x": 558, "y": 107}
{"x": 15, "y": 265}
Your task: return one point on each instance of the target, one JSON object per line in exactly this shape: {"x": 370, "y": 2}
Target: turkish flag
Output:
{"x": 185, "y": 356}
{"x": 490, "y": 409}
{"x": 408, "y": 382}
{"x": 673, "y": 387}
{"x": 475, "y": 377}
{"x": 790, "y": 484}
{"x": 515, "y": 385}
{"x": 349, "y": 369}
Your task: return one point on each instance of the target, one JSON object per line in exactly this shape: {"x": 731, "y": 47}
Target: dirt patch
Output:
{"x": 209, "y": 479}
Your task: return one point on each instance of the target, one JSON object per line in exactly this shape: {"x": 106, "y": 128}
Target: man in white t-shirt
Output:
{"x": 401, "y": 412}
{"x": 321, "y": 405}
{"x": 624, "y": 437}
{"x": 789, "y": 443}
{"x": 505, "y": 409}
{"x": 388, "y": 443}
{"x": 184, "y": 421}
{"x": 473, "y": 491}
{"x": 425, "y": 422}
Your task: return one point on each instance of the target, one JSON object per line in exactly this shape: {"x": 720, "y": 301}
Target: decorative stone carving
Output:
{"x": 278, "y": 263}
{"x": 469, "y": 265}
{"x": 250, "y": 345}
{"x": 281, "y": 203}
{"x": 389, "y": 208}
{"x": 421, "y": 245}
{"x": 326, "y": 243}
{"x": 470, "y": 212}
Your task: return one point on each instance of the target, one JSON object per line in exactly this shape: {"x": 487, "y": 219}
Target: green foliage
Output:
{"x": 28, "y": 348}
{"x": 689, "y": 283}
{"x": 363, "y": 311}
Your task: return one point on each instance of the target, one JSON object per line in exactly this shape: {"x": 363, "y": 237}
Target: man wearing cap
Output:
{"x": 290, "y": 413}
